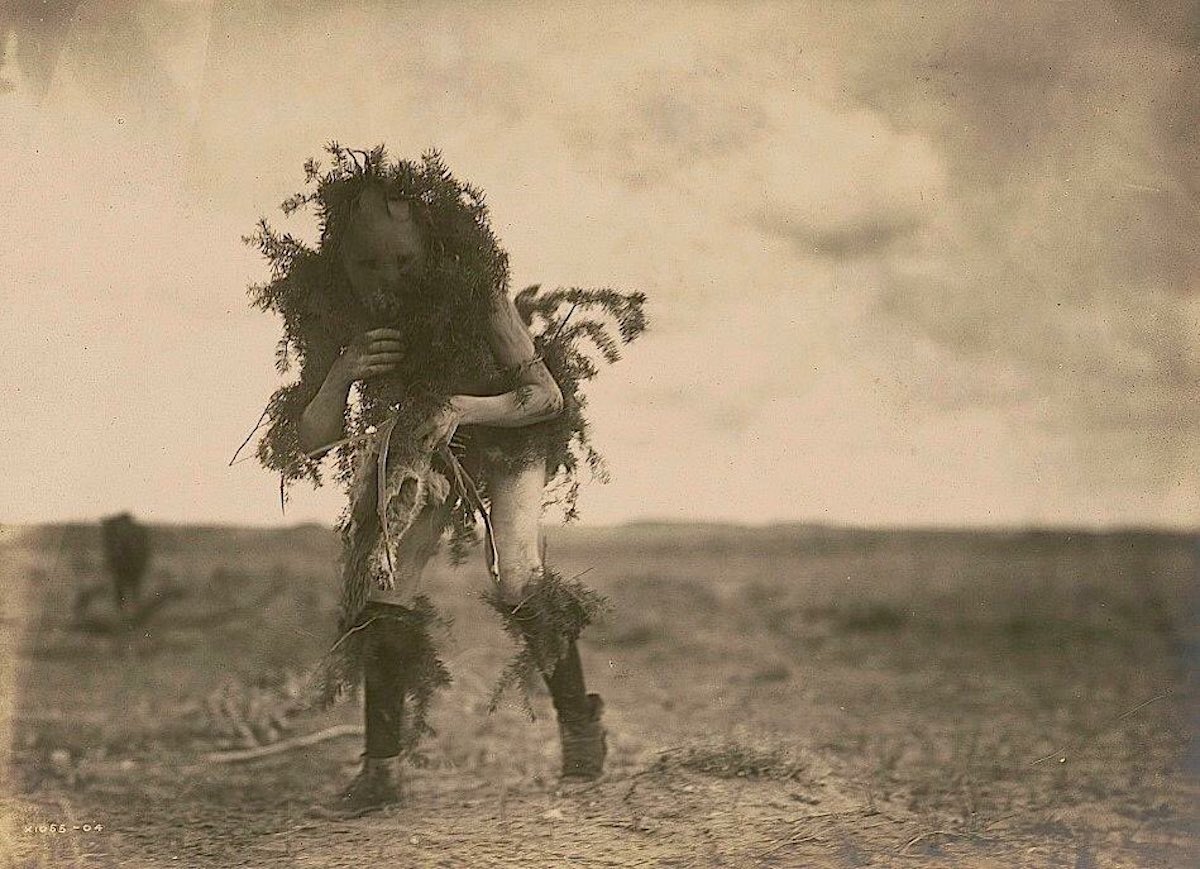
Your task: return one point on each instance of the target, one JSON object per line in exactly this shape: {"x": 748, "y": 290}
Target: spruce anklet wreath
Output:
{"x": 388, "y": 473}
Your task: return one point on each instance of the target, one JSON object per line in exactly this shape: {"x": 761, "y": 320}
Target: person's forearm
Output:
{"x": 525, "y": 405}
{"x": 324, "y": 420}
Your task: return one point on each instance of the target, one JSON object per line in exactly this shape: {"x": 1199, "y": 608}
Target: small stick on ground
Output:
{"x": 284, "y": 745}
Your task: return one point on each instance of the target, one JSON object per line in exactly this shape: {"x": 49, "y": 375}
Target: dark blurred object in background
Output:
{"x": 127, "y": 552}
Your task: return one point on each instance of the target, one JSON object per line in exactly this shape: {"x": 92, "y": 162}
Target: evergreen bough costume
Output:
{"x": 389, "y": 475}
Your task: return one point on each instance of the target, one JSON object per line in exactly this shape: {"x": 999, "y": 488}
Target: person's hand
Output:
{"x": 372, "y": 353}
{"x": 437, "y": 431}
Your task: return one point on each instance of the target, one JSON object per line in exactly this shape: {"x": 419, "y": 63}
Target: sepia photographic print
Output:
{"x": 599, "y": 434}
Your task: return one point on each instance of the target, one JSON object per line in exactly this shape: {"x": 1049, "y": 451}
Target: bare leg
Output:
{"x": 384, "y": 682}
{"x": 417, "y": 547}
{"x": 516, "y": 518}
{"x": 516, "y": 513}
{"x": 388, "y": 651}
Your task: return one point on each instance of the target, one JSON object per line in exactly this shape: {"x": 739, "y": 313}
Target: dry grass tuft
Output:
{"x": 732, "y": 759}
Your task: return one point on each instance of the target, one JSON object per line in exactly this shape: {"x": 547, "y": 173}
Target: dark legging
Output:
{"x": 567, "y": 687}
{"x": 388, "y": 656}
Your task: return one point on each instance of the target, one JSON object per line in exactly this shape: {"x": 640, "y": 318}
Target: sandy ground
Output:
{"x": 776, "y": 697}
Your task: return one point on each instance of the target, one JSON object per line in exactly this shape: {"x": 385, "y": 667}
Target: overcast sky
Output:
{"x": 907, "y": 264}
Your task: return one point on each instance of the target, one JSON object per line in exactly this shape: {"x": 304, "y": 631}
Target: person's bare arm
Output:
{"x": 536, "y": 398}
{"x": 372, "y": 353}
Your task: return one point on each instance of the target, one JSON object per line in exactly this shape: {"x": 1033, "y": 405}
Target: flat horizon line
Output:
{"x": 808, "y": 526}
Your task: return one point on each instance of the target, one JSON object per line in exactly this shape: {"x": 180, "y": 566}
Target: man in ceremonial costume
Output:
{"x": 422, "y": 375}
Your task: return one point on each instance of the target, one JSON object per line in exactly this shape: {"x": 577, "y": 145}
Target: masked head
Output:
{"x": 383, "y": 250}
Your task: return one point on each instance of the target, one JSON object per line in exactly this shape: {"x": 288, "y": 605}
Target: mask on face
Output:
{"x": 383, "y": 251}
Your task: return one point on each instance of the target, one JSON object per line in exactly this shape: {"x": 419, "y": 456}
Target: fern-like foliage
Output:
{"x": 443, "y": 313}
{"x": 444, "y": 317}
{"x": 444, "y": 320}
{"x": 569, "y": 326}
{"x": 340, "y": 672}
{"x": 550, "y": 613}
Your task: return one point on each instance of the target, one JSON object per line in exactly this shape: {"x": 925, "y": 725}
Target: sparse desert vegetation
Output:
{"x": 786, "y": 696}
